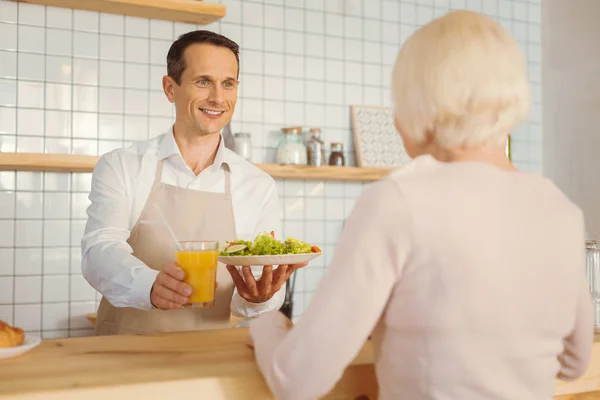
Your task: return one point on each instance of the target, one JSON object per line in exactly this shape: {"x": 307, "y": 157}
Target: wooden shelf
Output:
{"x": 47, "y": 162}
{"x": 80, "y": 163}
{"x": 325, "y": 173}
{"x": 191, "y": 11}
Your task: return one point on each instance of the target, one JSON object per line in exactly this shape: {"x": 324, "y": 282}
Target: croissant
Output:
{"x": 9, "y": 336}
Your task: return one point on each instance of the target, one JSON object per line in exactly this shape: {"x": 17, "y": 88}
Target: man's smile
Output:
{"x": 212, "y": 112}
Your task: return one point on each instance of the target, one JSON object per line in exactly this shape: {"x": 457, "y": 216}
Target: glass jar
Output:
{"x": 242, "y": 145}
{"x": 336, "y": 158}
{"x": 291, "y": 150}
{"x": 316, "y": 148}
{"x": 592, "y": 249}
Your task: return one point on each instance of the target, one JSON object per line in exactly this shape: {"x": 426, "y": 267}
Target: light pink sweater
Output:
{"x": 471, "y": 280}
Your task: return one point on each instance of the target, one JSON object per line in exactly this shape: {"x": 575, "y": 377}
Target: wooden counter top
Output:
{"x": 207, "y": 364}
{"x": 216, "y": 364}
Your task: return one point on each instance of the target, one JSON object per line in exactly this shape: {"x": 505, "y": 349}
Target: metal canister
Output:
{"x": 315, "y": 148}
{"x": 592, "y": 248}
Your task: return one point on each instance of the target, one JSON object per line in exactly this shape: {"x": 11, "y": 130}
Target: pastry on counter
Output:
{"x": 10, "y": 336}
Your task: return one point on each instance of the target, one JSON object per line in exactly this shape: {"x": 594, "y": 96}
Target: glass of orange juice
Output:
{"x": 199, "y": 261}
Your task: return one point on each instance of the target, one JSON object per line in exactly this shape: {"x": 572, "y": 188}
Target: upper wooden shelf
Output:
{"x": 191, "y": 11}
{"x": 80, "y": 163}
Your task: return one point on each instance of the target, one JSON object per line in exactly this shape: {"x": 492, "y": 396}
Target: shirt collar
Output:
{"x": 168, "y": 147}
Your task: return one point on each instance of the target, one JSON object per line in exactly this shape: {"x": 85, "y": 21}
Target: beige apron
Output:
{"x": 193, "y": 215}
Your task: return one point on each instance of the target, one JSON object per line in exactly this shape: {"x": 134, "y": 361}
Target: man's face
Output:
{"x": 205, "y": 99}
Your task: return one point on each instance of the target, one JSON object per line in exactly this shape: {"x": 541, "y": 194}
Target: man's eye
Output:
{"x": 228, "y": 84}
{"x": 203, "y": 82}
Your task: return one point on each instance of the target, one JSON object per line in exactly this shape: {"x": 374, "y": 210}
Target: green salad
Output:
{"x": 265, "y": 244}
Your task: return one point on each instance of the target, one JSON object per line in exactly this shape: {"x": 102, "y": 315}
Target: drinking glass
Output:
{"x": 199, "y": 261}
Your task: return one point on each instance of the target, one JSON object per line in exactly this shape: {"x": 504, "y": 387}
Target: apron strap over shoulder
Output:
{"x": 158, "y": 173}
{"x": 227, "y": 179}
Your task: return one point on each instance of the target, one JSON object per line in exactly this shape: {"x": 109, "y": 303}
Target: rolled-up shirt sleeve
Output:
{"x": 269, "y": 220}
{"x": 107, "y": 260}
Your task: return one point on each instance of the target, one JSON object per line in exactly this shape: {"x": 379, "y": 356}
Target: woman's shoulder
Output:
{"x": 424, "y": 175}
{"x": 417, "y": 170}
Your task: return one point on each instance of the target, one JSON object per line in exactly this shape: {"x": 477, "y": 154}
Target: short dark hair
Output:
{"x": 175, "y": 57}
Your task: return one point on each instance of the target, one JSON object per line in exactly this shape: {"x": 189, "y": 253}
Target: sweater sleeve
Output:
{"x": 306, "y": 361}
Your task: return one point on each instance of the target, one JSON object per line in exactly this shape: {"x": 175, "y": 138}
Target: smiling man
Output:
{"x": 205, "y": 192}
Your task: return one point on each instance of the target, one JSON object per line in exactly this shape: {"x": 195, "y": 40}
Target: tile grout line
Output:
{"x": 147, "y": 66}
{"x": 43, "y": 175}
{"x": 72, "y": 174}
{"x": 97, "y": 60}
{"x": 14, "y": 251}
{"x": 263, "y": 72}
{"x": 324, "y": 58}
{"x": 298, "y": 296}
{"x": 122, "y": 87}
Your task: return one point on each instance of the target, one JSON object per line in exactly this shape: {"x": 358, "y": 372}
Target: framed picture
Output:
{"x": 376, "y": 140}
{"x": 378, "y": 143}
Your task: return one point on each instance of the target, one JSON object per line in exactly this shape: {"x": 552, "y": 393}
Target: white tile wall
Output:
{"x": 85, "y": 83}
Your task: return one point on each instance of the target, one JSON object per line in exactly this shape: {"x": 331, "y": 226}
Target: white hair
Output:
{"x": 460, "y": 80}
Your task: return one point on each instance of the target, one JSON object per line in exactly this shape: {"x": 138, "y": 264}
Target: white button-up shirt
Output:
{"x": 121, "y": 184}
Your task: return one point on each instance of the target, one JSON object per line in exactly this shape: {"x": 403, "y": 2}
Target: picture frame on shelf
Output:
{"x": 376, "y": 141}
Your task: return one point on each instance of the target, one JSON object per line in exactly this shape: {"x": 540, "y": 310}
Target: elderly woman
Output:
{"x": 468, "y": 273}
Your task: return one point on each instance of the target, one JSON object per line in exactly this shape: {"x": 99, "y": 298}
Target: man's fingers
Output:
{"x": 293, "y": 268}
{"x": 280, "y": 277}
{"x": 172, "y": 277}
{"x": 250, "y": 281}
{"x": 163, "y": 304}
{"x": 238, "y": 281}
{"x": 169, "y": 291}
{"x": 167, "y": 294}
{"x": 267, "y": 277}
{"x": 173, "y": 270}
{"x": 173, "y": 284}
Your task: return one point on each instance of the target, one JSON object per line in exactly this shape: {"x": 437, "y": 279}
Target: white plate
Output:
{"x": 281, "y": 259}
{"x": 29, "y": 343}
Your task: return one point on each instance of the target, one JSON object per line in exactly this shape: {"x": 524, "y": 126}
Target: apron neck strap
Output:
{"x": 227, "y": 179}
{"x": 158, "y": 174}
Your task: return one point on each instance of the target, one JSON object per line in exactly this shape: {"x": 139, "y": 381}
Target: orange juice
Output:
{"x": 200, "y": 268}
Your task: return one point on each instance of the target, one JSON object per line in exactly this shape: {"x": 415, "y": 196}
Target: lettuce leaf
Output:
{"x": 296, "y": 246}
{"x": 266, "y": 245}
